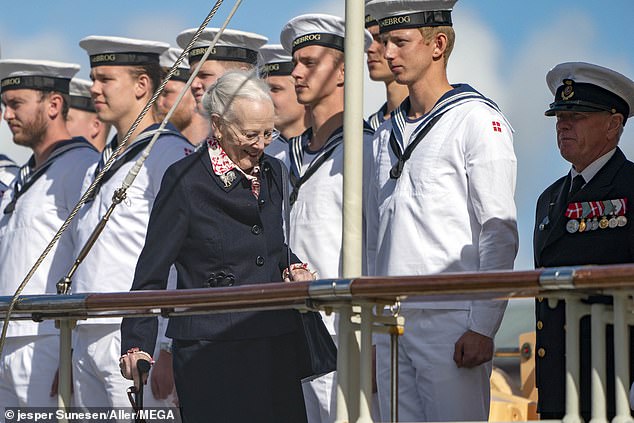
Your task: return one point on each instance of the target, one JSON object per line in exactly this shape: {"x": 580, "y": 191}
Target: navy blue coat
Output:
{"x": 553, "y": 247}
{"x": 216, "y": 236}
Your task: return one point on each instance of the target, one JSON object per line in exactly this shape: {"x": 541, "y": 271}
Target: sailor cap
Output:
{"x": 233, "y": 45}
{"x": 167, "y": 60}
{"x": 369, "y": 19}
{"x": 273, "y": 60}
{"x": 80, "y": 95}
{"x": 119, "y": 51}
{"x": 317, "y": 29}
{"x": 580, "y": 86}
{"x": 43, "y": 75}
{"x": 404, "y": 14}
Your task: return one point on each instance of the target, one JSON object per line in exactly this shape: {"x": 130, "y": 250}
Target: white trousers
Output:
{"x": 430, "y": 385}
{"x": 27, "y": 370}
{"x": 319, "y": 397}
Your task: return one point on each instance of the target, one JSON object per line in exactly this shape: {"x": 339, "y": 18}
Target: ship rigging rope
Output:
{"x": 129, "y": 179}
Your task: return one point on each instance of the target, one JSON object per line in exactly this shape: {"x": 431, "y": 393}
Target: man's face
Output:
{"x": 318, "y": 73}
{"x": 377, "y": 65}
{"x": 182, "y": 116}
{"x": 25, "y": 113}
{"x": 79, "y": 123}
{"x": 113, "y": 93}
{"x": 209, "y": 72}
{"x": 582, "y": 136}
{"x": 287, "y": 109}
{"x": 407, "y": 54}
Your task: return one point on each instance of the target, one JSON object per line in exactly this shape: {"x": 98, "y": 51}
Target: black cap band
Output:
{"x": 319, "y": 39}
{"x": 41, "y": 83}
{"x": 122, "y": 59}
{"x": 232, "y": 54}
{"x": 180, "y": 74}
{"x": 584, "y": 97}
{"x": 416, "y": 20}
{"x": 81, "y": 103}
{"x": 370, "y": 21}
{"x": 277, "y": 69}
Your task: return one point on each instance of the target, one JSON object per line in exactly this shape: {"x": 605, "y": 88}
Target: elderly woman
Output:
{"x": 218, "y": 218}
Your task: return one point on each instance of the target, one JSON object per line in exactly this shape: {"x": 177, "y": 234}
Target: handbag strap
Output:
{"x": 287, "y": 217}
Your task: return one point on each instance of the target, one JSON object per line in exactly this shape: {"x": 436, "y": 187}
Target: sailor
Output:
{"x": 445, "y": 205}
{"x": 35, "y": 101}
{"x": 291, "y": 118}
{"x": 234, "y": 50}
{"x": 316, "y": 43}
{"x": 190, "y": 123}
{"x": 125, "y": 74}
{"x": 584, "y": 217}
{"x": 82, "y": 119}
{"x": 8, "y": 170}
{"x": 379, "y": 71}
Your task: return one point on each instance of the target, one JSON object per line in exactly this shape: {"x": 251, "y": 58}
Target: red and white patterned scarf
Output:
{"x": 221, "y": 164}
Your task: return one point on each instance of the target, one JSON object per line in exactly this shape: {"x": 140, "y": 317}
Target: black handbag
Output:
{"x": 315, "y": 342}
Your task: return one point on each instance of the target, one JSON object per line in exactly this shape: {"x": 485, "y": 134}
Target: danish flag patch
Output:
{"x": 496, "y": 126}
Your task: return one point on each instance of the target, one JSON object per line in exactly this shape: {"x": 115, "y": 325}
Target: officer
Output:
{"x": 82, "y": 120}
{"x": 379, "y": 70}
{"x": 125, "y": 74}
{"x": 291, "y": 118}
{"x": 35, "y": 100}
{"x": 584, "y": 217}
{"x": 440, "y": 200}
{"x": 316, "y": 42}
{"x": 190, "y": 123}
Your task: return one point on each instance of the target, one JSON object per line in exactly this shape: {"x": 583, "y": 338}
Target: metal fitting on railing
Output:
{"x": 558, "y": 278}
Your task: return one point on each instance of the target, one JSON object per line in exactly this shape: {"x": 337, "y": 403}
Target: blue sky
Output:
{"x": 504, "y": 48}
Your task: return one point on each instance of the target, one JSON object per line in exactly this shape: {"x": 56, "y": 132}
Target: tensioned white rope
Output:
{"x": 119, "y": 194}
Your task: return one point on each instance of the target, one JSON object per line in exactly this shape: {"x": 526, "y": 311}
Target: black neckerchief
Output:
{"x": 28, "y": 174}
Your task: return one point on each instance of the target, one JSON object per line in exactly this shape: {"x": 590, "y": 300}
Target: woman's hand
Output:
{"x": 128, "y": 366}
{"x": 299, "y": 272}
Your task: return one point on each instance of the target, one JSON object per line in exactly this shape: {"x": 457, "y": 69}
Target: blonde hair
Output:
{"x": 430, "y": 32}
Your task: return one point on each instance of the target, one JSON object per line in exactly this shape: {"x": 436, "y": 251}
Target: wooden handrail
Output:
{"x": 439, "y": 287}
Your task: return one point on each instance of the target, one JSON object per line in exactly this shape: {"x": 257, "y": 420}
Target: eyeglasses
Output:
{"x": 254, "y": 136}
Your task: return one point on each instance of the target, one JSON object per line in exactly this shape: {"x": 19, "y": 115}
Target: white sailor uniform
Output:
{"x": 316, "y": 231}
{"x": 8, "y": 170}
{"x": 31, "y": 351}
{"x": 451, "y": 210}
{"x": 110, "y": 265}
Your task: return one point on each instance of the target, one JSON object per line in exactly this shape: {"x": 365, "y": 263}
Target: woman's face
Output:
{"x": 244, "y": 138}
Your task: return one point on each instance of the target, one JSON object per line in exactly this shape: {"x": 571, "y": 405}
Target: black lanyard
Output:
{"x": 402, "y": 157}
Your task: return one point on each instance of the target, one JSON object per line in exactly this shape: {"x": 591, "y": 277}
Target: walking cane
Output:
{"x": 135, "y": 395}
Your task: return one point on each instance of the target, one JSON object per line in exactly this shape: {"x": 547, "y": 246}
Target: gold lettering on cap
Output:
{"x": 10, "y": 82}
{"x": 200, "y": 51}
{"x": 271, "y": 68}
{"x": 111, "y": 57}
{"x": 395, "y": 20}
{"x": 306, "y": 38}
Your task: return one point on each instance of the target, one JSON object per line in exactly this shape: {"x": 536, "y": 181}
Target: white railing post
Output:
{"x": 65, "y": 364}
{"x": 621, "y": 360}
{"x": 573, "y": 313}
{"x": 345, "y": 332}
{"x": 366, "y": 369}
{"x": 598, "y": 369}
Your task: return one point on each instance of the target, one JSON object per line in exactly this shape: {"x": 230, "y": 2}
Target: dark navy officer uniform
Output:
{"x": 582, "y": 222}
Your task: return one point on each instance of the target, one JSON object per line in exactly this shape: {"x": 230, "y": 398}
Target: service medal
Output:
{"x": 612, "y": 223}
{"x": 603, "y": 223}
{"x": 582, "y": 225}
{"x": 622, "y": 221}
{"x": 594, "y": 224}
{"x": 572, "y": 226}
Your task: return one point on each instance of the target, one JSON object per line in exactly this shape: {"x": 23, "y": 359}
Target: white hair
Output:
{"x": 219, "y": 97}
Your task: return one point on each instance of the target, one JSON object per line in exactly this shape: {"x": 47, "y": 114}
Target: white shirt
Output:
{"x": 451, "y": 210}
{"x": 8, "y": 170}
{"x": 110, "y": 265}
{"x": 593, "y": 168}
{"x": 24, "y": 234}
{"x": 316, "y": 229}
